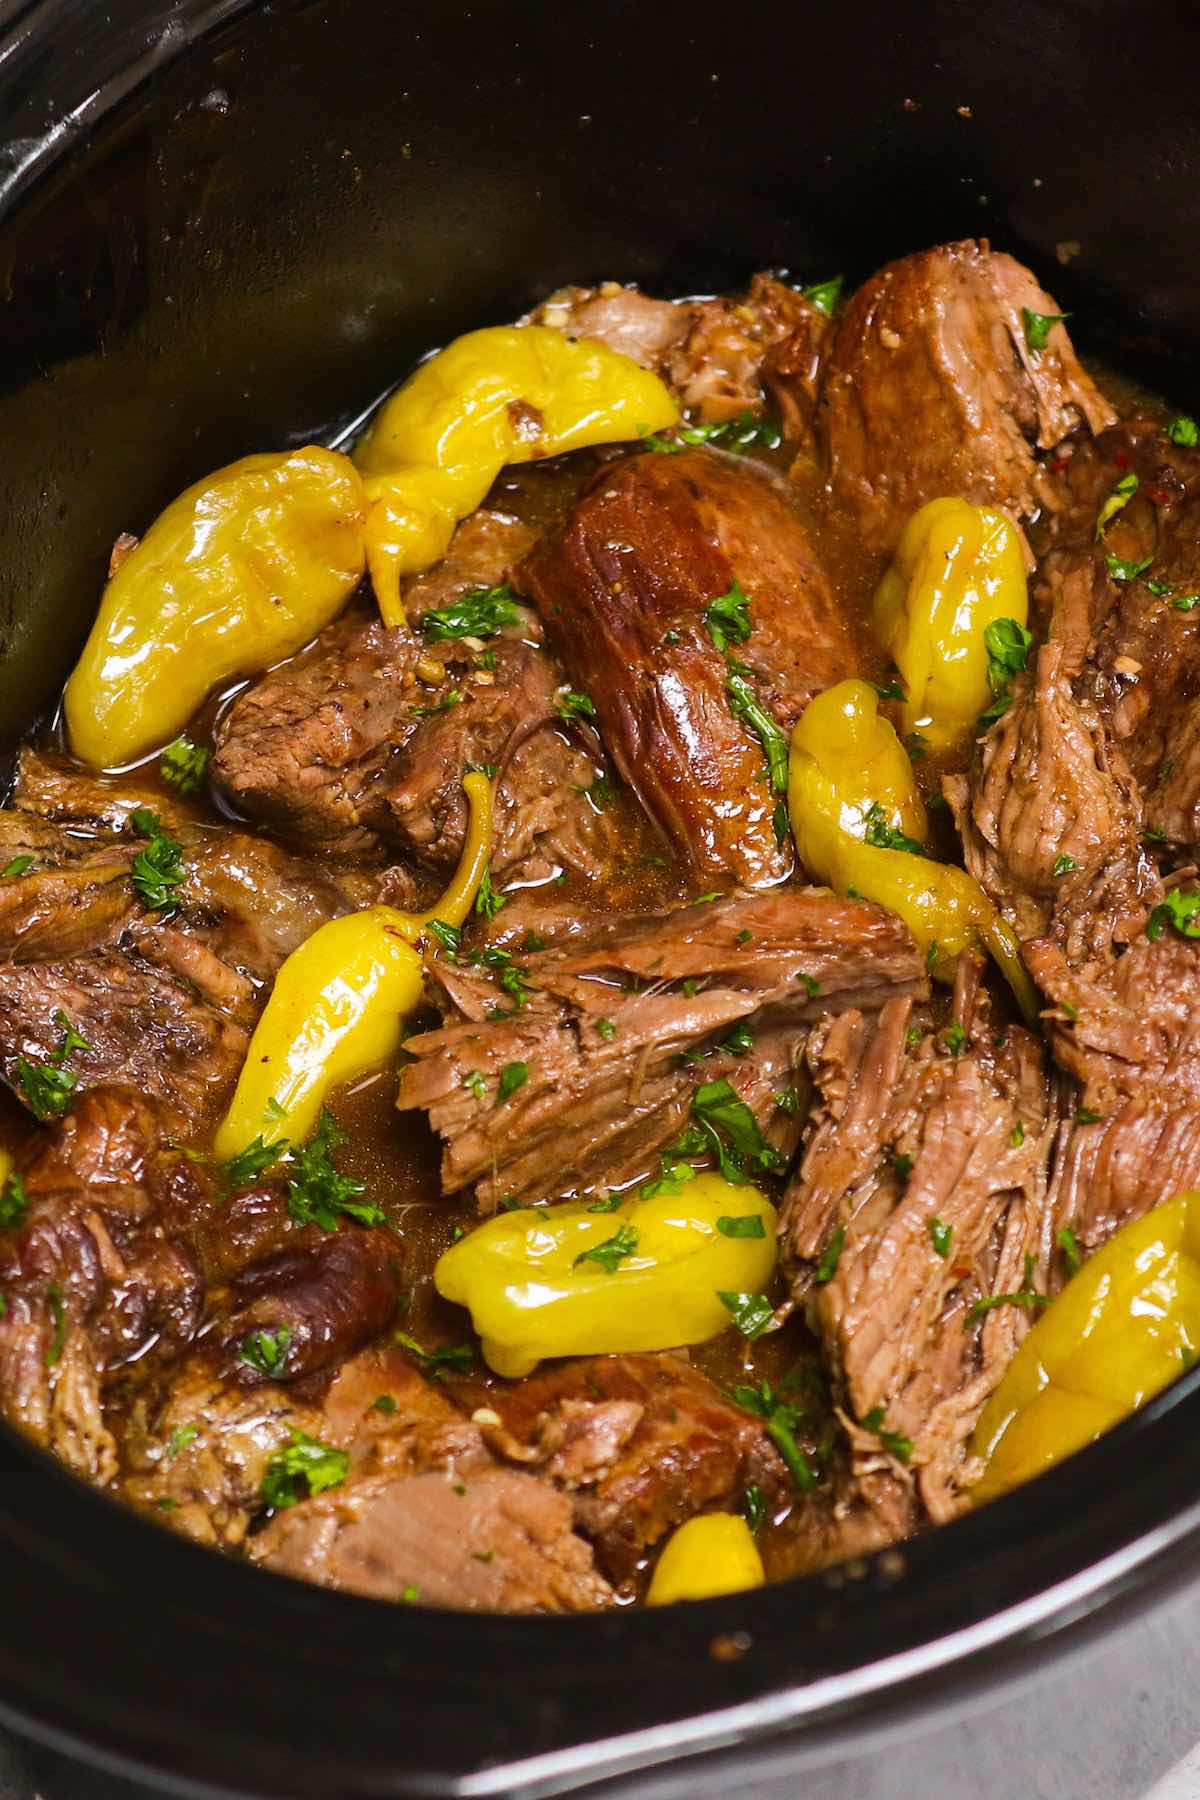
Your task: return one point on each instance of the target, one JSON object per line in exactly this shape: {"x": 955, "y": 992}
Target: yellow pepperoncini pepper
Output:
{"x": 339, "y": 1003}
{"x": 860, "y": 826}
{"x": 571, "y": 1281}
{"x": 710, "y": 1555}
{"x": 1123, "y": 1327}
{"x": 510, "y": 394}
{"x": 958, "y": 568}
{"x": 239, "y": 571}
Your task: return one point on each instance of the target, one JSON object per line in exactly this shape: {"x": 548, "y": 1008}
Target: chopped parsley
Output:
{"x": 453, "y": 698}
{"x": 606, "y": 1029}
{"x": 931, "y": 955}
{"x": 475, "y": 1084}
{"x": 383, "y": 1403}
{"x": 1068, "y": 1243}
{"x": 513, "y": 1075}
{"x": 824, "y": 295}
{"x": 940, "y": 1236}
{"x": 914, "y": 1035}
{"x": 1064, "y": 865}
{"x": 448, "y": 936}
{"x": 460, "y": 1357}
{"x": 510, "y": 975}
{"x": 788, "y": 1101}
{"x": 744, "y": 705}
{"x": 1008, "y": 645}
{"x": 739, "y": 1041}
{"x": 903, "y": 1163}
{"x": 266, "y": 1350}
{"x": 728, "y": 618}
{"x": 1116, "y": 502}
{"x": 916, "y": 743}
{"x": 480, "y": 613}
{"x": 731, "y": 1130}
{"x": 751, "y": 1313}
{"x": 831, "y": 1256}
{"x": 570, "y": 705}
{"x": 1018, "y": 1134}
{"x": 487, "y": 901}
{"x": 48, "y": 1086}
{"x": 317, "y": 1193}
{"x": 781, "y": 1419}
{"x": 1178, "y": 911}
{"x": 20, "y": 865}
{"x": 612, "y": 1252}
{"x": 894, "y": 1441}
{"x": 955, "y": 1039}
{"x": 1026, "y": 1296}
{"x": 180, "y": 1438}
{"x": 746, "y": 429}
{"x": 1037, "y": 327}
{"x": 754, "y": 1507}
{"x": 1085, "y": 1116}
{"x": 158, "y": 869}
{"x": 303, "y": 1467}
{"x": 14, "y": 1201}
{"x": 893, "y": 690}
{"x": 884, "y": 836}
{"x": 741, "y": 1225}
{"x": 242, "y": 1170}
{"x": 1184, "y": 431}
{"x": 609, "y": 1204}
{"x": 183, "y": 765}
{"x": 1121, "y": 570}
{"x": 482, "y": 768}
{"x": 781, "y": 823}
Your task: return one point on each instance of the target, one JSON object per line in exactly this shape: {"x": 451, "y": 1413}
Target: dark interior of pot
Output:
{"x": 242, "y": 247}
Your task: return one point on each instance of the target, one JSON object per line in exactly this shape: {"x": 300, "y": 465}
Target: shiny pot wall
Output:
{"x": 226, "y": 227}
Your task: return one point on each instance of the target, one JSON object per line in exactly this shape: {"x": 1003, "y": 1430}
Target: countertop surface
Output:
{"x": 1115, "y": 1721}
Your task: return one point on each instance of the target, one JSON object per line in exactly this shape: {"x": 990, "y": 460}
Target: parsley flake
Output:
{"x": 751, "y": 1313}
{"x": 303, "y": 1467}
{"x": 480, "y": 613}
{"x": 1038, "y": 326}
{"x": 728, "y": 618}
{"x": 183, "y": 765}
{"x": 612, "y": 1251}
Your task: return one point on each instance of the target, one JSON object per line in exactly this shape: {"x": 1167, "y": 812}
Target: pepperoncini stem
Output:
{"x": 712, "y": 1554}
{"x": 859, "y": 825}
{"x": 339, "y": 1003}
{"x": 458, "y": 899}
{"x": 958, "y": 568}
{"x": 238, "y": 572}
{"x": 1124, "y": 1326}
{"x": 570, "y": 1281}
{"x": 510, "y": 394}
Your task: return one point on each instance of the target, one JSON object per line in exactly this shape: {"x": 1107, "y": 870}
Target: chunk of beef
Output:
{"x": 329, "y": 1291}
{"x": 165, "y": 1032}
{"x": 721, "y": 357}
{"x": 425, "y": 1511}
{"x": 602, "y": 1024}
{"x": 1125, "y": 601}
{"x": 91, "y": 805}
{"x": 624, "y": 587}
{"x": 924, "y": 1183}
{"x": 1128, "y": 1026}
{"x": 1109, "y": 1171}
{"x": 1051, "y": 817}
{"x": 930, "y": 388}
{"x": 358, "y": 746}
{"x": 94, "y": 1270}
{"x": 642, "y": 1443}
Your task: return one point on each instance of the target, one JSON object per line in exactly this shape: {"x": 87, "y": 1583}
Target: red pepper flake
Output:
{"x": 1121, "y": 460}
{"x": 1057, "y": 465}
{"x": 961, "y": 1272}
{"x": 1159, "y": 496}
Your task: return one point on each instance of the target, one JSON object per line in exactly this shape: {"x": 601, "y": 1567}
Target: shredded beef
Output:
{"x": 921, "y": 1191}
{"x": 604, "y": 1023}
